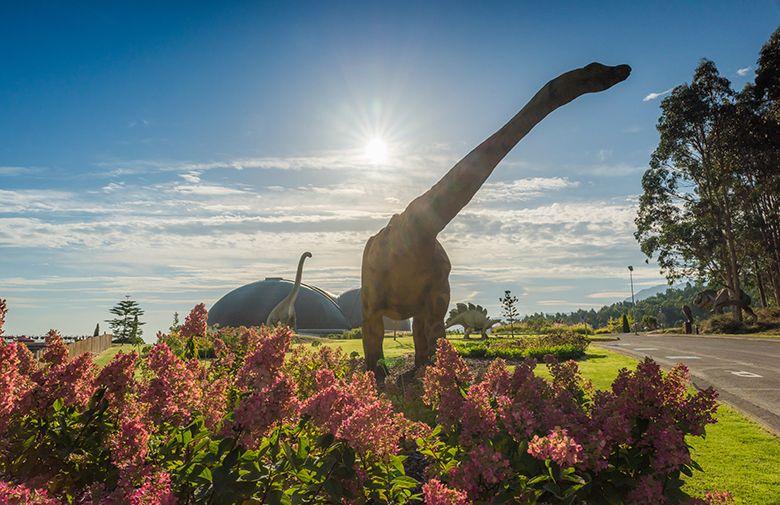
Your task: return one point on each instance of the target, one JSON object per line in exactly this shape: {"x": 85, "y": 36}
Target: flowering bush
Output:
{"x": 268, "y": 424}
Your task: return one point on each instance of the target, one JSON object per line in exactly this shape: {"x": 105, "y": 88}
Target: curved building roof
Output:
{"x": 250, "y": 305}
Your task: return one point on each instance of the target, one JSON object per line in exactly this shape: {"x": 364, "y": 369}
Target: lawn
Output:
{"x": 104, "y": 357}
{"x": 737, "y": 455}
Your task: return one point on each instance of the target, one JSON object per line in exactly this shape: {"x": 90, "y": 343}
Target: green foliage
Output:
{"x": 625, "y": 327}
{"x": 509, "y": 310}
{"x": 562, "y": 345}
{"x": 126, "y": 326}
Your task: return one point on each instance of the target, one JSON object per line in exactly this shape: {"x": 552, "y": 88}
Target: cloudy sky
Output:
{"x": 176, "y": 152}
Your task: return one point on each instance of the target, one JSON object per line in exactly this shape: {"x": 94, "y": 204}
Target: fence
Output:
{"x": 95, "y": 345}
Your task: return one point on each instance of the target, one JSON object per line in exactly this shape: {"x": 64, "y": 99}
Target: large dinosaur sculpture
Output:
{"x": 284, "y": 312}
{"x": 472, "y": 318}
{"x": 709, "y": 299}
{"x": 405, "y": 269}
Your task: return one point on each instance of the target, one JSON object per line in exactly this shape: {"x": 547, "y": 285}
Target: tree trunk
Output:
{"x": 760, "y": 284}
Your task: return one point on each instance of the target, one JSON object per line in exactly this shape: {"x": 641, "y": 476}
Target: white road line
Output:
{"x": 646, "y": 349}
{"x": 742, "y": 373}
{"x": 683, "y": 357}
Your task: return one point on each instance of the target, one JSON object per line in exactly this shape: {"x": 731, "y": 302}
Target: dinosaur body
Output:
{"x": 284, "y": 312}
{"x": 405, "y": 271}
{"x": 716, "y": 301}
{"x": 472, "y": 318}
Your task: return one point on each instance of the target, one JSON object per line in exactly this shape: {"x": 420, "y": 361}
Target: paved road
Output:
{"x": 745, "y": 371}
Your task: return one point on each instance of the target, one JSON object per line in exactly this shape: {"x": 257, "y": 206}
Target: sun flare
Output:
{"x": 376, "y": 150}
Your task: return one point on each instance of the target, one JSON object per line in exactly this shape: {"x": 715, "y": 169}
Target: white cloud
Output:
{"x": 522, "y": 189}
{"x": 742, "y": 72}
{"x": 610, "y": 294}
{"x": 654, "y": 95}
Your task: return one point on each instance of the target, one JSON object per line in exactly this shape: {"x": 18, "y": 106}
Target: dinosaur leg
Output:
{"x": 421, "y": 352}
{"x": 437, "y": 311}
{"x": 373, "y": 334}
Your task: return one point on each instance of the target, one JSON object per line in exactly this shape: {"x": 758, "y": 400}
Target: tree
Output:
{"x": 688, "y": 212}
{"x": 626, "y": 328}
{"x": 96, "y": 333}
{"x": 126, "y": 325}
{"x": 509, "y": 310}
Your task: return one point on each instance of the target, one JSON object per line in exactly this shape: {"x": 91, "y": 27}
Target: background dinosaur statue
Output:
{"x": 709, "y": 299}
{"x": 284, "y": 312}
{"x": 472, "y": 318}
{"x": 405, "y": 271}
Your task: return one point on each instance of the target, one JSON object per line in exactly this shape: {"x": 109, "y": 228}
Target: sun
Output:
{"x": 376, "y": 150}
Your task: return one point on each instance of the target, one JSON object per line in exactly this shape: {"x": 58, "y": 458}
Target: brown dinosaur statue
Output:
{"x": 405, "y": 270}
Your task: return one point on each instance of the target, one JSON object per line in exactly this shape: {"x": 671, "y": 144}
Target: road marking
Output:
{"x": 683, "y": 357}
{"x": 646, "y": 349}
{"x": 742, "y": 373}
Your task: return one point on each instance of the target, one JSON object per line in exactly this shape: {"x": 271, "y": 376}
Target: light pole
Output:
{"x": 633, "y": 303}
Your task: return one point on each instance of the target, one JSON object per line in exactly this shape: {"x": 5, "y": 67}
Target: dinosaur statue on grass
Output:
{"x": 472, "y": 318}
{"x": 405, "y": 271}
{"x": 284, "y": 312}
{"x": 716, "y": 301}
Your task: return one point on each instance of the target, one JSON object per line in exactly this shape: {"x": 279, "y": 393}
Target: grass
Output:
{"x": 104, "y": 357}
{"x": 737, "y": 455}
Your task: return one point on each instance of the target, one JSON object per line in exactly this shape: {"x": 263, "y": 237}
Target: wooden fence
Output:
{"x": 95, "y": 345}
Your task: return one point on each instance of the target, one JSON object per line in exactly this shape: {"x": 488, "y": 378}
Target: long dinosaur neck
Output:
{"x": 432, "y": 211}
{"x": 299, "y": 274}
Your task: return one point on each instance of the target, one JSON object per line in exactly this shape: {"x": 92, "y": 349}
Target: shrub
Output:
{"x": 563, "y": 345}
{"x": 264, "y": 425}
{"x": 516, "y": 437}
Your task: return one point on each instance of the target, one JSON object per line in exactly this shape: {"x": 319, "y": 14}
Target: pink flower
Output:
{"x": 155, "y": 490}
{"x": 19, "y": 494}
{"x": 196, "y": 322}
{"x": 265, "y": 358}
{"x": 718, "y": 498}
{"x": 56, "y": 351}
{"x": 436, "y": 493}
{"x": 118, "y": 377}
{"x": 442, "y": 382}
{"x": 557, "y": 446}
{"x": 483, "y": 469}
{"x": 130, "y": 445}
{"x": 13, "y": 385}
{"x": 173, "y": 394}
{"x": 352, "y": 411}
{"x": 263, "y": 409}
{"x": 648, "y": 491}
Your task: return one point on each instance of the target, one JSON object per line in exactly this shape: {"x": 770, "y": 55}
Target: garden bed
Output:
{"x": 562, "y": 346}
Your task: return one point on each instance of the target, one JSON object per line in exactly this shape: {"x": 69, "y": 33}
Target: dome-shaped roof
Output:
{"x": 250, "y": 305}
{"x": 351, "y": 307}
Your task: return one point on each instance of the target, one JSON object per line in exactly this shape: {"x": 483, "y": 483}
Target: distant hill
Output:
{"x": 643, "y": 294}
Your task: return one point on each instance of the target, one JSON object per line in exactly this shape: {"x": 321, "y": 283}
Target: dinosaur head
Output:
{"x": 307, "y": 254}
{"x": 596, "y": 77}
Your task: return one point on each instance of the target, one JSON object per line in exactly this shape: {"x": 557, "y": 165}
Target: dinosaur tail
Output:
{"x": 433, "y": 210}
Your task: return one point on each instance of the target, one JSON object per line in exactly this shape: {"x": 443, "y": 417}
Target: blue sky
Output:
{"x": 173, "y": 152}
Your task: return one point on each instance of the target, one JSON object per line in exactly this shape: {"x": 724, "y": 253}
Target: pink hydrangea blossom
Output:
{"x": 715, "y": 497}
{"x": 196, "y": 322}
{"x": 263, "y": 409}
{"x": 649, "y": 491}
{"x": 436, "y": 493}
{"x": 155, "y": 490}
{"x": 117, "y": 377}
{"x": 353, "y": 411}
{"x": 130, "y": 444}
{"x": 19, "y": 494}
{"x": 56, "y": 352}
{"x": 173, "y": 393}
{"x": 483, "y": 469}
{"x": 557, "y": 446}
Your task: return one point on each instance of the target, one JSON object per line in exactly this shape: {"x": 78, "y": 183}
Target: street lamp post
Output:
{"x": 633, "y": 302}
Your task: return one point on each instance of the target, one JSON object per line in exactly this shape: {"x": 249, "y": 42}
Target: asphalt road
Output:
{"x": 745, "y": 371}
